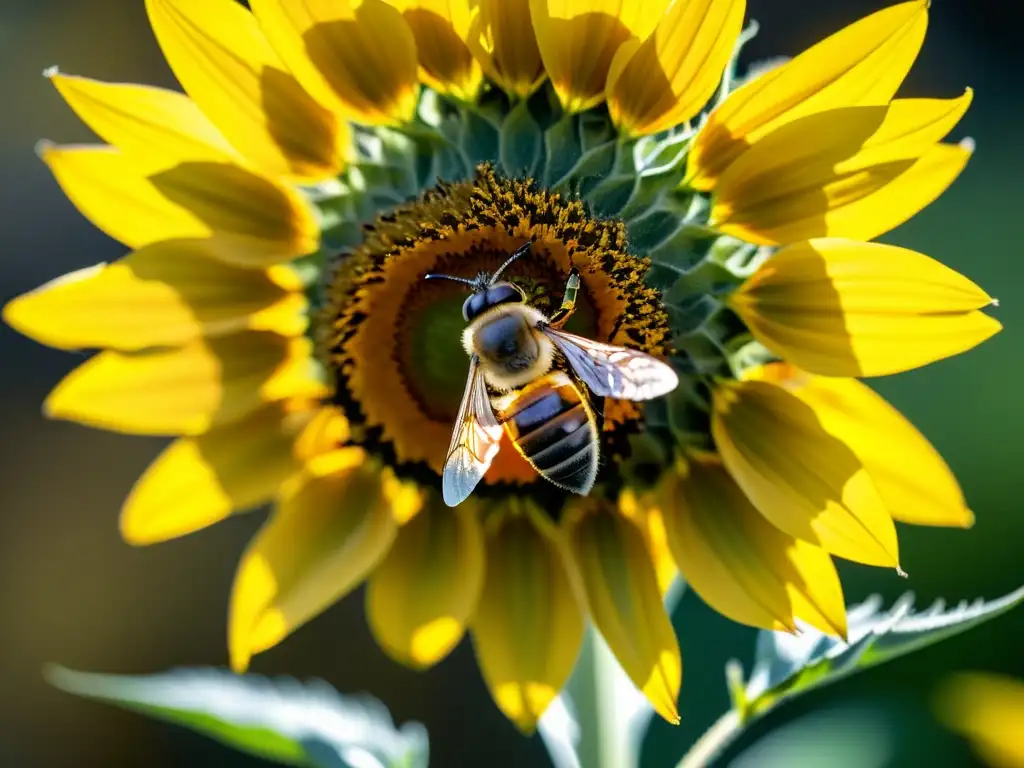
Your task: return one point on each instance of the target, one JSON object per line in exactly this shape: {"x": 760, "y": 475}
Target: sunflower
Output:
{"x": 986, "y": 709}
{"x": 272, "y": 315}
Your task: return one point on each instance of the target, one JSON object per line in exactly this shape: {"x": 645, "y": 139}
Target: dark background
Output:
{"x": 71, "y": 591}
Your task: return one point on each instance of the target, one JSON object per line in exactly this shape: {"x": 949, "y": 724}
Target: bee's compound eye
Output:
{"x": 474, "y": 305}
{"x": 502, "y": 293}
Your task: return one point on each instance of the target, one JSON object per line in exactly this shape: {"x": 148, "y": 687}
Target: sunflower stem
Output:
{"x": 613, "y": 735}
{"x": 605, "y": 703}
{"x": 715, "y": 740}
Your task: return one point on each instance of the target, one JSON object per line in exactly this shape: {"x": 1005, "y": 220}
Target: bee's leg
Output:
{"x": 564, "y": 312}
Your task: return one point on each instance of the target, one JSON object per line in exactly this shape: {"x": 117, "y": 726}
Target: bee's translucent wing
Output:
{"x": 474, "y": 442}
{"x": 611, "y": 371}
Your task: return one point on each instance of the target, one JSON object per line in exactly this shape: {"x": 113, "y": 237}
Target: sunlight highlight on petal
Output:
{"x": 528, "y": 628}
{"x": 328, "y": 532}
{"x": 199, "y": 481}
{"x": 249, "y": 220}
{"x": 845, "y": 308}
{"x": 910, "y": 475}
{"x": 739, "y": 563}
{"x": 579, "y": 38}
{"x": 861, "y": 65}
{"x": 165, "y": 294}
{"x": 188, "y": 390}
{"x": 621, "y": 590}
{"x": 359, "y": 55}
{"x": 157, "y": 127}
{"x": 420, "y": 598}
{"x": 855, "y": 172}
{"x": 502, "y": 39}
{"x": 670, "y": 77}
{"x": 222, "y": 59}
{"x": 805, "y": 481}
{"x": 442, "y": 29}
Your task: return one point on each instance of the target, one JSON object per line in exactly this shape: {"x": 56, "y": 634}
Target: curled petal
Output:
{"x": 861, "y": 65}
{"x": 621, "y": 590}
{"x": 165, "y": 294}
{"x": 187, "y": 390}
{"x": 330, "y": 529}
{"x": 198, "y": 481}
{"x": 739, "y": 563}
{"x": 910, "y": 475}
{"x": 222, "y": 59}
{"x": 502, "y": 40}
{"x": 359, "y": 55}
{"x": 579, "y": 38}
{"x": 855, "y": 172}
{"x": 420, "y": 598}
{"x": 668, "y": 78}
{"x": 248, "y": 220}
{"x": 805, "y": 481}
{"x": 845, "y": 308}
{"x": 528, "y": 628}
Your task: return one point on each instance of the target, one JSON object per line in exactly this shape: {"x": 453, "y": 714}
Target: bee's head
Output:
{"x": 491, "y": 295}
{"x": 488, "y": 291}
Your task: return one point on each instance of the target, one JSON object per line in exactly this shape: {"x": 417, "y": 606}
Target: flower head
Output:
{"x": 274, "y": 318}
{"x": 986, "y": 709}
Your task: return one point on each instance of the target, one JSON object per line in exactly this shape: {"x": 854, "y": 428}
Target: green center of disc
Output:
{"x": 434, "y": 364}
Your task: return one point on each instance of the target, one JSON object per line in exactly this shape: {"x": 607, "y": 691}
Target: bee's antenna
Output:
{"x": 520, "y": 251}
{"x": 465, "y": 280}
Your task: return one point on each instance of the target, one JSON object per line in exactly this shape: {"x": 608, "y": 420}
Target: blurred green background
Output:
{"x": 71, "y": 591}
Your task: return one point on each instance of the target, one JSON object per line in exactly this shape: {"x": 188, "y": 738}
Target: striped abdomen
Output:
{"x": 554, "y": 428}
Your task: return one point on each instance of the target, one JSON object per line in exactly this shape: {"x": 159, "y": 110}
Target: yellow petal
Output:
{"x": 647, "y": 515}
{"x": 186, "y": 391}
{"x": 988, "y": 710}
{"x": 442, "y": 29}
{"x": 222, "y": 59}
{"x": 528, "y": 628}
{"x": 910, "y": 475}
{"x": 157, "y": 127}
{"x": 621, "y": 590}
{"x": 844, "y": 308}
{"x": 502, "y": 39}
{"x": 668, "y": 78}
{"x": 198, "y": 481}
{"x": 327, "y": 534}
{"x": 861, "y": 65}
{"x": 357, "y": 54}
{"x": 805, "y": 481}
{"x": 165, "y": 294}
{"x": 248, "y": 219}
{"x": 326, "y": 430}
{"x": 420, "y": 598}
{"x": 579, "y": 38}
{"x": 855, "y": 172}
{"x": 739, "y": 563}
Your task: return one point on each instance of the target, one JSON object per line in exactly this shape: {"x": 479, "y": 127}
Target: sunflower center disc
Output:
{"x": 395, "y": 339}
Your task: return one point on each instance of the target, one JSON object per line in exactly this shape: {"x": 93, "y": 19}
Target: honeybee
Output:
{"x": 512, "y": 347}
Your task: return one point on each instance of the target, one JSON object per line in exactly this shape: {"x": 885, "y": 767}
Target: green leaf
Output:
{"x": 520, "y": 142}
{"x": 789, "y": 665}
{"x": 283, "y": 720}
{"x": 868, "y": 739}
{"x": 563, "y": 150}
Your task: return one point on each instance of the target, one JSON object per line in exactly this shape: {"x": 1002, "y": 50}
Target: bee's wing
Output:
{"x": 474, "y": 442}
{"x": 611, "y": 371}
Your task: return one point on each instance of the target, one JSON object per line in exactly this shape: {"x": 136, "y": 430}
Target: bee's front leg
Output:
{"x": 564, "y": 312}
